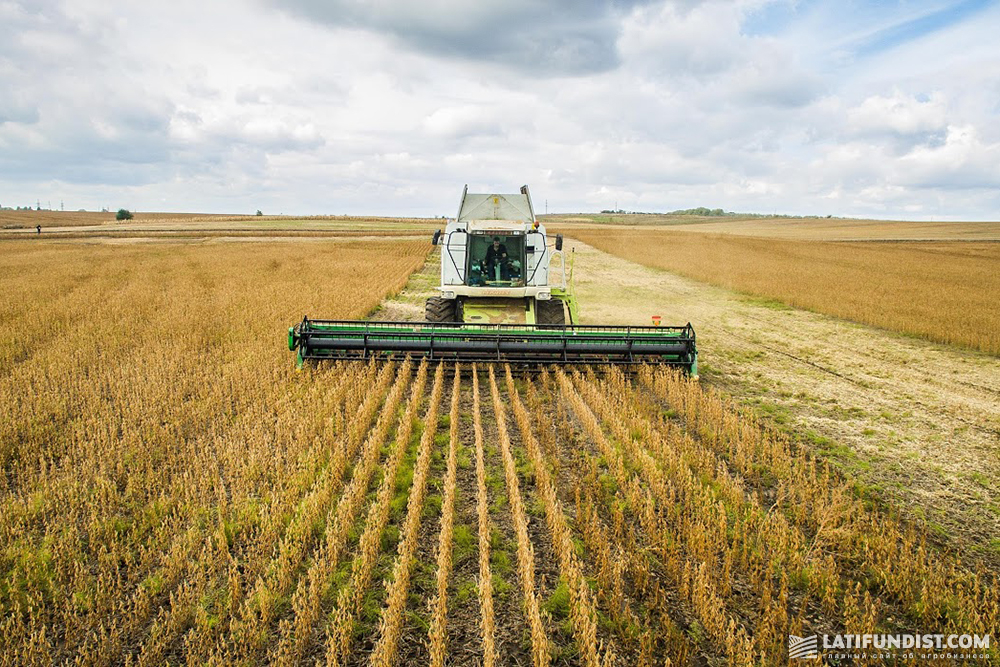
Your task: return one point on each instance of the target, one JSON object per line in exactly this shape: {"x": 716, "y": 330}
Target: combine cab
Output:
{"x": 505, "y": 296}
{"x": 495, "y": 266}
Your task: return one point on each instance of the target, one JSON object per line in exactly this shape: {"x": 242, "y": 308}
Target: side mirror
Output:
{"x": 558, "y": 241}
{"x": 437, "y": 237}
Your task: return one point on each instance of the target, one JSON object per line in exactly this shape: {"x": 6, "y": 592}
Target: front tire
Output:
{"x": 440, "y": 310}
{"x": 550, "y": 312}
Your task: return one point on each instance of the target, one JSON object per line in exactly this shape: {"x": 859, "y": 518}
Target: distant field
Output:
{"x": 816, "y": 229}
{"x": 279, "y": 222}
{"x": 26, "y": 221}
{"x": 99, "y": 234}
{"x": 29, "y": 219}
{"x": 942, "y": 291}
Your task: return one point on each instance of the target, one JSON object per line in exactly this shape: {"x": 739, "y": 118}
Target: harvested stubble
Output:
{"x": 349, "y": 598}
{"x": 540, "y": 649}
{"x": 485, "y": 587}
{"x": 438, "y": 630}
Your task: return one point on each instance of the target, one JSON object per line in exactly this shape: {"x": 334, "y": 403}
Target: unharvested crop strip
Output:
{"x": 688, "y": 575}
{"x": 257, "y": 612}
{"x": 758, "y": 543}
{"x": 438, "y": 630}
{"x": 525, "y": 553}
{"x": 709, "y": 546}
{"x": 214, "y": 555}
{"x": 485, "y": 588}
{"x": 582, "y": 611}
{"x": 614, "y": 551}
{"x": 931, "y": 586}
{"x": 296, "y": 630}
{"x": 391, "y": 622}
{"x": 350, "y": 596}
{"x": 166, "y": 552}
{"x": 915, "y": 294}
{"x": 147, "y": 446}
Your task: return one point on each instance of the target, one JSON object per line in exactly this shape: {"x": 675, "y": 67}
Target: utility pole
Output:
{"x": 546, "y": 207}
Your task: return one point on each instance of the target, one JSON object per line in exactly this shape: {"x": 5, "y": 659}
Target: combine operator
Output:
{"x": 496, "y": 255}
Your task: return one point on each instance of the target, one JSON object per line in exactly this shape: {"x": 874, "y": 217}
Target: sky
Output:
{"x": 885, "y": 109}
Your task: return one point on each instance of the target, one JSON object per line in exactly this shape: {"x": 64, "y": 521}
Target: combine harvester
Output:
{"x": 499, "y": 303}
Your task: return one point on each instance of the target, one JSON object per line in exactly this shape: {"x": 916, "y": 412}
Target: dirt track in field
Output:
{"x": 916, "y": 422}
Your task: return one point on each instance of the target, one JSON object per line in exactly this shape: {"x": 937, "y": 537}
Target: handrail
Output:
{"x": 545, "y": 241}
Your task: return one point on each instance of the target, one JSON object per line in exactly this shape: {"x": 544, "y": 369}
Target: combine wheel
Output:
{"x": 550, "y": 312}
{"x": 440, "y": 310}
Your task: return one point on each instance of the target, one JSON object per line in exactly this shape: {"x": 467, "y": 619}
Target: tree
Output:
{"x": 259, "y": 212}
{"x": 123, "y": 214}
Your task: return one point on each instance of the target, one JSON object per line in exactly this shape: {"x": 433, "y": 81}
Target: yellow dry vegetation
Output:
{"x": 149, "y": 419}
{"x": 941, "y": 291}
{"x": 28, "y": 219}
{"x": 173, "y": 492}
{"x": 803, "y": 229}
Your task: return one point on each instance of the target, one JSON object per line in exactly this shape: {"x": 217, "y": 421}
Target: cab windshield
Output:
{"x": 496, "y": 260}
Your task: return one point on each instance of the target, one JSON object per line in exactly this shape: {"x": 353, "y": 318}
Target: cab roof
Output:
{"x": 496, "y": 206}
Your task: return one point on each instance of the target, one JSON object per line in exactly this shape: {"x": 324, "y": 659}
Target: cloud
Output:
{"x": 265, "y": 132}
{"x": 962, "y": 161}
{"x": 900, "y": 114}
{"x": 921, "y": 21}
{"x": 460, "y": 122}
{"x": 15, "y": 106}
{"x": 63, "y": 117}
{"x": 572, "y": 37}
{"x": 389, "y": 107}
{"x": 701, "y": 50}
{"x": 676, "y": 40}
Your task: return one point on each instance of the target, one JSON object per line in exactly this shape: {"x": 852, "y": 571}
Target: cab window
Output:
{"x": 496, "y": 260}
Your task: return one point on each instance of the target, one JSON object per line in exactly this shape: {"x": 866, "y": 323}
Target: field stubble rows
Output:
{"x": 647, "y": 517}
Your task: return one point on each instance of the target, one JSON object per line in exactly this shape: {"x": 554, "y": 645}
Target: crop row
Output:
{"x": 677, "y": 525}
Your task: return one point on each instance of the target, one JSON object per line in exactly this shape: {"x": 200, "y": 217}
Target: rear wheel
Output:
{"x": 550, "y": 312}
{"x": 440, "y": 310}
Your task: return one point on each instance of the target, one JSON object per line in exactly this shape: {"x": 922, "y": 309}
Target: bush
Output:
{"x": 123, "y": 214}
